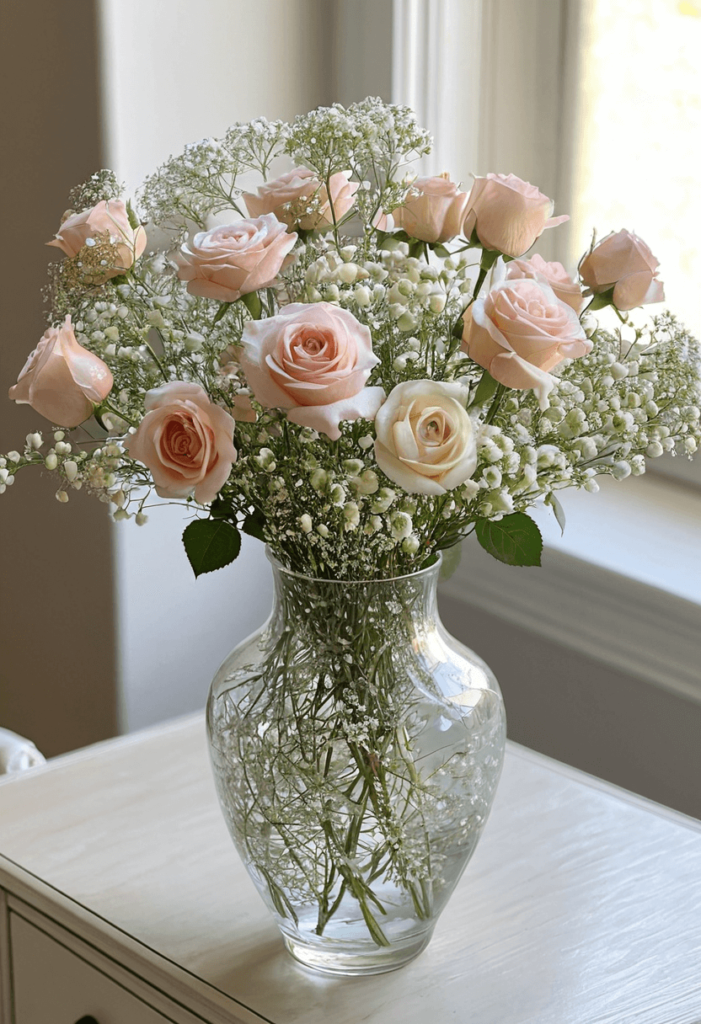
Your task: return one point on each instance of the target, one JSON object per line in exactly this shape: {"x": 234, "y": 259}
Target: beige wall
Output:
{"x": 101, "y": 627}
{"x": 57, "y": 673}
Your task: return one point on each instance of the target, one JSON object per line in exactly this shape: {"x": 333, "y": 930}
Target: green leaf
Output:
{"x": 557, "y": 508}
{"x": 254, "y": 525}
{"x": 439, "y": 249}
{"x": 485, "y": 389}
{"x": 221, "y": 509}
{"x": 515, "y": 539}
{"x": 211, "y": 544}
{"x": 251, "y": 301}
{"x": 220, "y": 312}
{"x": 134, "y": 222}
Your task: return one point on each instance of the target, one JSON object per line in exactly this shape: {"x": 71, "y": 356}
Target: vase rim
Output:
{"x": 426, "y": 571}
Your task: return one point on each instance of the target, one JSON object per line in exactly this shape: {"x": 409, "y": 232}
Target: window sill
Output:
{"x": 623, "y": 585}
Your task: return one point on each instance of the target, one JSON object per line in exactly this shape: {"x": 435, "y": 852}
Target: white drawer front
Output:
{"x": 52, "y": 985}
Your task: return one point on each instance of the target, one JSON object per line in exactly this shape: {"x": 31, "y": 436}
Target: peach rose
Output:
{"x": 520, "y": 332}
{"x": 300, "y": 199}
{"x": 622, "y": 261}
{"x": 433, "y": 211}
{"x": 230, "y": 261}
{"x": 185, "y": 440}
{"x": 109, "y": 218}
{"x": 313, "y": 360}
{"x": 425, "y": 439}
{"x": 555, "y": 274}
{"x": 508, "y": 214}
{"x": 61, "y": 380}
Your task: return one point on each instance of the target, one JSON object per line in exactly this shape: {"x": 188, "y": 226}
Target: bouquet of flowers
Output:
{"x": 358, "y": 366}
{"x": 294, "y": 336}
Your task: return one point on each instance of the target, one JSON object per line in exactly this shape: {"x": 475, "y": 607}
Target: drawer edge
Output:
{"x": 27, "y": 895}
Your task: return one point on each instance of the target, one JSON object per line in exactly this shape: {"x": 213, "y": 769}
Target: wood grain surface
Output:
{"x": 582, "y": 904}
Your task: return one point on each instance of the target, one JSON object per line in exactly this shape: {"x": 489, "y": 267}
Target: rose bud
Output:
{"x": 61, "y": 380}
{"x": 622, "y": 261}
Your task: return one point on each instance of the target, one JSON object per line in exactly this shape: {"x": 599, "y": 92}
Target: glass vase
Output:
{"x": 356, "y": 748}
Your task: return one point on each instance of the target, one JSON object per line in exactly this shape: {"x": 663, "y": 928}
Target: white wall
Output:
{"x": 176, "y": 71}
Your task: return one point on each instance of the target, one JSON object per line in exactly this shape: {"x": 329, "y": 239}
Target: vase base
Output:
{"x": 340, "y": 962}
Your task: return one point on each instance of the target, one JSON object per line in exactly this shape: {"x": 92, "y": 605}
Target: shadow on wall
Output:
{"x": 588, "y": 714}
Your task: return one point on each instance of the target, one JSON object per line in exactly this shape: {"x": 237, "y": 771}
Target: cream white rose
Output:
{"x": 425, "y": 439}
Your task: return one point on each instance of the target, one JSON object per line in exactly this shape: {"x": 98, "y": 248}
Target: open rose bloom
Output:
{"x": 314, "y": 361}
{"x": 520, "y": 332}
{"x": 185, "y": 440}
{"x": 425, "y": 438}
{"x": 230, "y": 261}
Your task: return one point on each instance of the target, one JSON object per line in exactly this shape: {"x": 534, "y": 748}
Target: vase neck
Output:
{"x": 340, "y": 611}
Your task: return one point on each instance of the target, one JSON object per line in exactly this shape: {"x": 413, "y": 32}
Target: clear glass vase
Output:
{"x": 356, "y": 749}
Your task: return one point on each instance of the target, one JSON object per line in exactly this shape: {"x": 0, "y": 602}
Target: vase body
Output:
{"x": 356, "y": 748}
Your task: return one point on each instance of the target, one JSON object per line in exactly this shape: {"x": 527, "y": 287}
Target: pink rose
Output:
{"x": 108, "y": 220}
{"x": 555, "y": 274}
{"x": 433, "y": 211}
{"x": 61, "y": 380}
{"x": 312, "y": 360}
{"x": 230, "y": 261}
{"x": 185, "y": 440}
{"x": 622, "y": 261}
{"x": 299, "y": 199}
{"x": 508, "y": 214}
{"x": 520, "y": 332}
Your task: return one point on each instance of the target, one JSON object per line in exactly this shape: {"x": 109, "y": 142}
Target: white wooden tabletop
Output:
{"x": 582, "y": 904}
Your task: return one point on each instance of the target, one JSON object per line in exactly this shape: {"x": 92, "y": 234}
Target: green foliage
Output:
{"x": 515, "y": 539}
{"x": 254, "y": 525}
{"x": 211, "y": 544}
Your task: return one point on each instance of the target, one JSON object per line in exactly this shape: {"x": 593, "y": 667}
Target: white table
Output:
{"x": 123, "y": 898}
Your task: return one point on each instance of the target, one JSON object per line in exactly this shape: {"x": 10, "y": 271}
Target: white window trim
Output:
{"x": 606, "y": 611}
{"x": 597, "y": 592}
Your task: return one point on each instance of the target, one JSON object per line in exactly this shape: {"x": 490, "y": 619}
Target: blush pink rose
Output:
{"x": 520, "y": 332}
{"x": 555, "y": 274}
{"x": 235, "y": 259}
{"x": 622, "y": 261}
{"x": 300, "y": 199}
{"x": 61, "y": 380}
{"x": 108, "y": 218}
{"x": 313, "y": 360}
{"x": 433, "y": 211}
{"x": 508, "y": 214}
{"x": 185, "y": 440}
